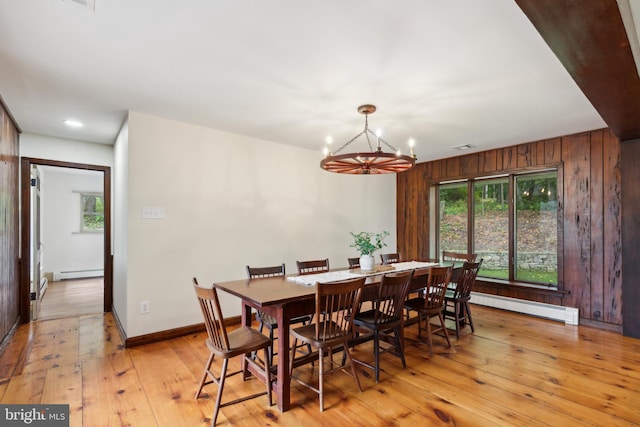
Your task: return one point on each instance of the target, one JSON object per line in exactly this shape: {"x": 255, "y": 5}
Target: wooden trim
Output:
{"x": 123, "y": 335}
{"x": 601, "y": 325}
{"x": 520, "y": 291}
{"x": 6, "y": 109}
{"x": 164, "y": 335}
{"x": 590, "y": 40}
{"x": 25, "y": 215}
{"x": 173, "y": 333}
{"x": 7, "y": 338}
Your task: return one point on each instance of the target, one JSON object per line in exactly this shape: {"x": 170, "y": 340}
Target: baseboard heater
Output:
{"x": 78, "y": 274}
{"x": 568, "y": 315}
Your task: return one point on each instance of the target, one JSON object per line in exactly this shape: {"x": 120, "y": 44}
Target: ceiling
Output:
{"x": 444, "y": 73}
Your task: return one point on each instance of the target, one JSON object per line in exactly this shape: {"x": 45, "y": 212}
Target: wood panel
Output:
{"x": 612, "y": 224}
{"x": 9, "y": 228}
{"x": 596, "y": 197}
{"x": 590, "y": 240}
{"x": 630, "y": 153}
{"x": 577, "y": 224}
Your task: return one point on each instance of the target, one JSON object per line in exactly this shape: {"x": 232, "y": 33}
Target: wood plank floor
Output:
{"x": 515, "y": 370}
{"x": 69, "y": 298}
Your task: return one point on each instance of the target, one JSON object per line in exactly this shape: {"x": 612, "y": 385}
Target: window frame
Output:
{"x": 511, "y": 175}
{"x": 83, "y": 229}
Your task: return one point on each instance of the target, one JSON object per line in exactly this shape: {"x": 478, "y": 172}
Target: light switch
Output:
{"x": 153, "y": 213}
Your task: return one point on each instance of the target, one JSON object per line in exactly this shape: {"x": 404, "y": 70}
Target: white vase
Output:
{"x": 366, "y": 262}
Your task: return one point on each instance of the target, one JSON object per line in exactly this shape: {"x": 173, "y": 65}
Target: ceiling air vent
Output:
{"x": 462, "y": 147}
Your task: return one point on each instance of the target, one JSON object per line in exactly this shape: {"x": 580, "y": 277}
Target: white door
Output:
{"x": 36, "y": 244}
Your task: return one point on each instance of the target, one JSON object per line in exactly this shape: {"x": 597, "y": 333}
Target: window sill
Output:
{"x": 483, "y": 284}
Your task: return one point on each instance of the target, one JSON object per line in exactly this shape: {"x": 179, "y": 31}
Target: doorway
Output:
{"x": 27, "y": 254}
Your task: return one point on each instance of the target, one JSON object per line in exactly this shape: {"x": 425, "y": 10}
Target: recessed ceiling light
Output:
{"x": 73, "y": 123}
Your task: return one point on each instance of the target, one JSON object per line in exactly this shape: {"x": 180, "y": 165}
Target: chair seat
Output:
{"x": 241, "y": 340}
{"x": 420, "y": 304}
{"x": 369, "y": 317}
{"x": 307, "y": 333}
{"x": 272, "y": 323}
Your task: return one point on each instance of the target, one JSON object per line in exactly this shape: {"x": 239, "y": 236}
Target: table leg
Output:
{"x": 283, "y": 385}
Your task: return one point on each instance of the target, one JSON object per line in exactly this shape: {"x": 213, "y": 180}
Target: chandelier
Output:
{"x": 371, "y": 162}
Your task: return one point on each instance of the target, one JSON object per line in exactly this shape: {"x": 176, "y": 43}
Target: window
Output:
{"x": 491, "y": 225}
{"x": 536, "y": 238}
{"x": 92, "y": 213}
{"x": 453, "y": 217}
{"x": 509, "y": 221}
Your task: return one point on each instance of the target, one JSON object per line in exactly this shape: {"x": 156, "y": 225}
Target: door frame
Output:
{"x": 25, "y": 245}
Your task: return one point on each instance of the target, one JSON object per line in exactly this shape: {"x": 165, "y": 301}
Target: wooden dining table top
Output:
{"x": 279, "y": 290}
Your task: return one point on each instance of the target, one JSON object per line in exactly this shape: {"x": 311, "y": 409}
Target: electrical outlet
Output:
{"x": 144, "y": 307}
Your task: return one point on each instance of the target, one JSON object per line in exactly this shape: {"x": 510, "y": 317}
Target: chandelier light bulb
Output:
{"x": 412, "y": 144}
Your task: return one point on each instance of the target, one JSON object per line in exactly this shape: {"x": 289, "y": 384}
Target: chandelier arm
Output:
{"x": 382, "y": 140}
{"x": 348, "y": 142}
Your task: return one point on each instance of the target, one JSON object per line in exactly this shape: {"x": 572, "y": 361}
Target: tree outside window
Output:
{"x": 512, "y": 225}
{"x": 92, "y": 213}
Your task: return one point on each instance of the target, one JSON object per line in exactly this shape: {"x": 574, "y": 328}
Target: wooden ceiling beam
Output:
{"x": 590, "y": 40}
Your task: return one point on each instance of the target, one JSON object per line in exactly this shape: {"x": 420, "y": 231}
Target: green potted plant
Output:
{"x": 367, "y": 242}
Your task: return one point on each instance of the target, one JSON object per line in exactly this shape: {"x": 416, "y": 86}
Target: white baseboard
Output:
{"x": 79, "y": 274}
{"x": 568, "y": 315}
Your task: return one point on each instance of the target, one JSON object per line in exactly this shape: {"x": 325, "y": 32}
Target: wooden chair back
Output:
{"x": 336, "y": 305}
{"x": 458, "y": 256}
{"x": 439, "y": 278}
{"x": 466, "y": 279}
{"x": 311, "y": 267}
{"x": 213, "y": 319}
{"x": 390, "y": 258}
{"x": 392, "y": 292}
{"x": 354, "y": 262}
{"x": 259, "y": 272}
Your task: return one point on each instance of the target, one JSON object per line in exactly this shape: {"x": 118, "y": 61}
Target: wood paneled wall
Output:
{"x": 9, "y": 227}
{"x": 590, "y": 212}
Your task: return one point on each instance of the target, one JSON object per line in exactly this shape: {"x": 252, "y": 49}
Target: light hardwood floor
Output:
{"x": 515, "y": 370}
{"x": 69, "y": 298}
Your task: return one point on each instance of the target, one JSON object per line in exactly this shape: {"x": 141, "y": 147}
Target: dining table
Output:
{"x": 286, "y": 297}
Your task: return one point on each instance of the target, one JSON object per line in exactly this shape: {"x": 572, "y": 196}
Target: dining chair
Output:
{"x": 384, "y": 321}
{"x": 457, "y": 307}
{"x": 354, "y": 262}
{"x": 456, "y": 259}
{"x": 311, "y": 267}
{"x": 242, "y": 341}
{"x": 390, "y": 258}
{"x": 267, "y": 320}
{"x": 458, "y": 256}
{"x": 431, "y": 304}
{"x": 332, "y": 328}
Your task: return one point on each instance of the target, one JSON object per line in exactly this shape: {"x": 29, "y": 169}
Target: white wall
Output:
{"x": 230, "y": 201}
{"x": 65, "y": 150}
{"x": 120, "y": 223}
{"x": 64, "y": 247}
